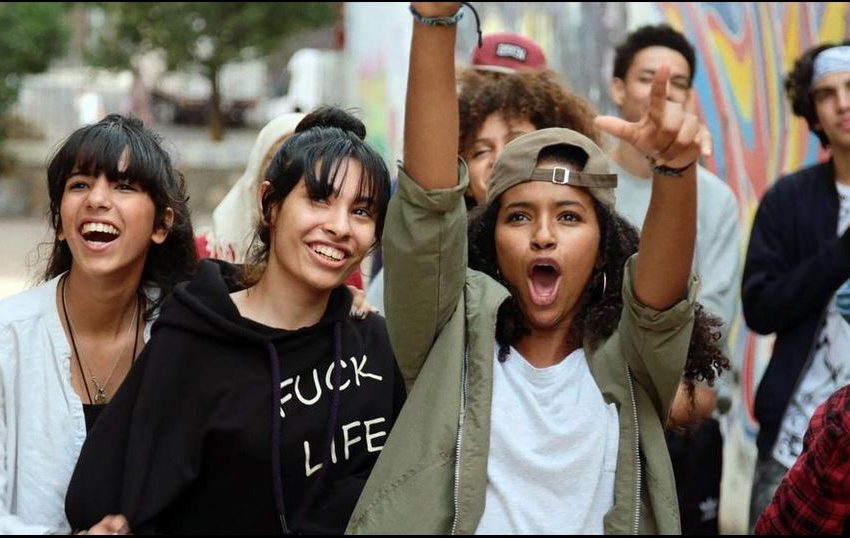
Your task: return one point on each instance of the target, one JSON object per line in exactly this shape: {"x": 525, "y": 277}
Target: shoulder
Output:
{"x": 372, "y": 329}
{"x": 29, "y": 304}
{"x": 712, "y": 184}
{"x": 715, "y": 197}
{"x": 483, "y": 291}
{"x": 802, "y": 180}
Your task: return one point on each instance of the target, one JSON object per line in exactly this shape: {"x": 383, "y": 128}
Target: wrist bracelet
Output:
{"x": 662, "y": 170}
{"x": 436, "y": 21}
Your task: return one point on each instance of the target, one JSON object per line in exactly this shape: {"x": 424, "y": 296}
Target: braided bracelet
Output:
{"x": 436, "y": 21}
{"x": 662, "y": 170}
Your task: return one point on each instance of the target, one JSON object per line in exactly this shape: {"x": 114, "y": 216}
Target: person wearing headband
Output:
{"x": 541, "y": 374}
{"x": 797, "y": 259}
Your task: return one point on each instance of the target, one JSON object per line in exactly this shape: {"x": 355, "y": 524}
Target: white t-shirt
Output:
{"x": 828, "y": 371}
{"x": 553, "y": 449}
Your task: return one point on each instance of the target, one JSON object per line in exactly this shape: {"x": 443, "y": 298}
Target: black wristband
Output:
{"x": 662, "y": 170}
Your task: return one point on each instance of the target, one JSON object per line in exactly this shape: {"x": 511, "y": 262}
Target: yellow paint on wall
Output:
{"x": 834, "y": 22}
{"x": 737, "y": 70}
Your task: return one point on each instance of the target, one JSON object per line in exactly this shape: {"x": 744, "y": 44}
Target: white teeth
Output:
{"x": 330, "y": 252}
{"x": 99, "y": 227}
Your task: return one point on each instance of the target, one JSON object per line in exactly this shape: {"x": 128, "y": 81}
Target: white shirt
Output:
{"x": 828, "y": 371}
{"x": 553, "y": 449}
{"x": 42, "y": 426}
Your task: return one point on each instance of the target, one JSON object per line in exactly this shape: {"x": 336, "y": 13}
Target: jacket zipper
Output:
{"x": 459, "y": 441}
{"x": 460, "y": 420}
{"x": 636, "y": 446}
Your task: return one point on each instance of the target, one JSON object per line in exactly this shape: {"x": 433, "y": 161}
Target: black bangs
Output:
{"x": 321, "y": 157}
{"x": 100, "y": 148}
{"x": 372, "y": 184}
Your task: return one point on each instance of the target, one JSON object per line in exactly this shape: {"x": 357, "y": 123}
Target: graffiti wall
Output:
{"x": 745, "y": 50}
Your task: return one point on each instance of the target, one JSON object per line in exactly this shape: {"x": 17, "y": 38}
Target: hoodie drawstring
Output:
{"x": 333, "y": 417}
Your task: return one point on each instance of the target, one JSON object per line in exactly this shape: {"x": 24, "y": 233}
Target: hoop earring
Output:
{"x": 604, "y": 282}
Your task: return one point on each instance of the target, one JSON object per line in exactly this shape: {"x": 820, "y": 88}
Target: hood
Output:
{"x": 235, "y": 218}
{"x": 203, "y": 307}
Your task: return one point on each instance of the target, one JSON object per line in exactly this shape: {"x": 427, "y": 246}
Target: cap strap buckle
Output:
{"x": 560, "y": 175}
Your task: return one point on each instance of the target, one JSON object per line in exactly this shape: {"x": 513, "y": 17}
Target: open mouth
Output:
{"x": 99, "y": 232}
{"x": 543, "y": 283}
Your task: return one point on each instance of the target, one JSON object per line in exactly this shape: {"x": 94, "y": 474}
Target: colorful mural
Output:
{"x": 745, "y": 50}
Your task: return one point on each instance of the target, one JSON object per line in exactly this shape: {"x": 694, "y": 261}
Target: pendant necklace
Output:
{"x": 100, "y": 397}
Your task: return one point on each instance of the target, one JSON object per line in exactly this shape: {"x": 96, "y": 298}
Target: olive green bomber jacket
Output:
{"x": 432, "y": 474}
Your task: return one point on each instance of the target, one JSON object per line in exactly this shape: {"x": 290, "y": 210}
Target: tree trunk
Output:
{"x": 216, "y": 121}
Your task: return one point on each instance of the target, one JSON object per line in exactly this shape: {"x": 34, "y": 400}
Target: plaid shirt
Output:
{"x": 814, "y": 497}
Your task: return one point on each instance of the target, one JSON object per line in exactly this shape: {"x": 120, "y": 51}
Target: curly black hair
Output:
{"x": 603, "y": 302}
{"x": 798, "y": 84}
{"x": 659, "y": 35}
{"x": 98, "y": 148}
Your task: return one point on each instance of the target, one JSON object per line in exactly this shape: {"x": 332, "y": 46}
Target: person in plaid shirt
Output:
{"x": 814, "y": 497}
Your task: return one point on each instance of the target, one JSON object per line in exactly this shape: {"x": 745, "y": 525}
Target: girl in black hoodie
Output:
{"x": 259, "y": 405}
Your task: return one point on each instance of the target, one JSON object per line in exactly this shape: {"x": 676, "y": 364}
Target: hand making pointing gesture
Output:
{"x": 669, "y": 135}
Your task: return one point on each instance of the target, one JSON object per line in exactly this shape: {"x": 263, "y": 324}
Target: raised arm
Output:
{"x": 424, "y": 242}
{"x": 431, "y": 121}
{"x": 674, "y": 138}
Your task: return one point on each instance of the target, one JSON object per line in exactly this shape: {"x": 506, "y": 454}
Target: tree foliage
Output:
{"x": 33, "y": 33}
{"x": 204, "y": 35}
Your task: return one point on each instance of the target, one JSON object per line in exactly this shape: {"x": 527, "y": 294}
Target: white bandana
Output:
{"x": 832, "y": 60}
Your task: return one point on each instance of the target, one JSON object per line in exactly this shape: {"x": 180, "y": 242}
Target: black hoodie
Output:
{"x": 223, "y": 423}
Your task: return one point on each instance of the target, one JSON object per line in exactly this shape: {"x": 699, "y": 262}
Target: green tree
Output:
{"x": 204, "y": 35}
{"x": 33, "y": 34}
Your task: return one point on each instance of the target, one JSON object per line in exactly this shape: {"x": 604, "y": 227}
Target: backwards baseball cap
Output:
{"x": 508, "y": 52}
{"x": 518, "y": 164}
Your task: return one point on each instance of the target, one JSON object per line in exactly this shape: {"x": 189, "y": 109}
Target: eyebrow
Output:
{"x": 672, "y": 76}
{"x": 528, "y": 205}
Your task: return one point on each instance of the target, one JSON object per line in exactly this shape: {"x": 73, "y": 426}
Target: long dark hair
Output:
{"x": 326, "y": 137}
{"x": 602, "y": 302}
{"x": 97, "y": 149}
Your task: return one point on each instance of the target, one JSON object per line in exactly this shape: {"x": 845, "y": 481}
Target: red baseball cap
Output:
{"x": 508, "y": 51}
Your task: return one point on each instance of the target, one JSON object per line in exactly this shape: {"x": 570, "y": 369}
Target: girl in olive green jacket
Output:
{"x": 541, "y": 382}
